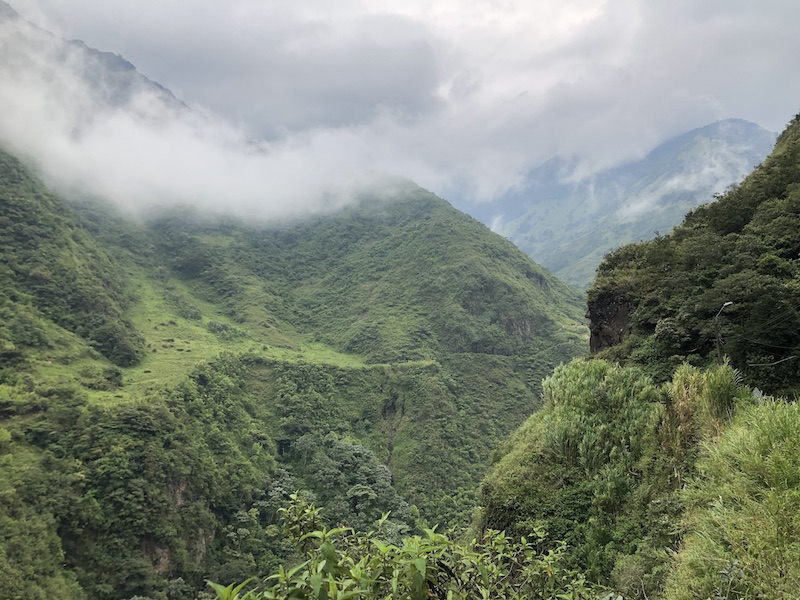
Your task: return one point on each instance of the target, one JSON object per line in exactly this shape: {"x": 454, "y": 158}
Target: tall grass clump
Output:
{"x": 743, "y": 511}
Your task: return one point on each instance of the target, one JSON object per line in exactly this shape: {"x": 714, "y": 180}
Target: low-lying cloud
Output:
{"x": 721, "y": 165}
{"x": 318, "y": 99}
{"x": 112, "y": 134}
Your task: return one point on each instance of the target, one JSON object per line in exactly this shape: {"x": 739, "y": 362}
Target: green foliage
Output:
{"x": 744, "y": 511}
{"x": 54, "y": 269}
{"x": 149, "y": 498}
{"x": 420, "y": 420}
{"x": 231, "y": 592}
{"x": 142, "y": 498}
{"x": 31, "y": 552}
{"x": 342, "y": 563}
{"x": 576, "y": 466}
{"x": 392, "y": 281}
{"x": 139, "y": 493}
{"x": 346, "y": 478}
{"x": 602, "y": 463}
{"x": 699, "y": 405}
{"x": 738, "y": 252}
{"x": 225, "y": 331}
{"x": 448, "y": 314}
{"x": 376, "y": 357}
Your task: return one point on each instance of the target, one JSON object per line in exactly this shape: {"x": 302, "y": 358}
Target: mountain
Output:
{"x": 568, "y": 224}
{"x": 178, "y": 390}
{"x": 7, "y": 12}
{"x": 167, "y": 383}
{"x": 721, "y": 283}
{"x": 110, "y": 80}
{"x": 664, "y": 462}
{"x": 95, "y": 104}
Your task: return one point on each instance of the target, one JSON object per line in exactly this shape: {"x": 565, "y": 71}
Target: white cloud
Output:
{"x": 462, "y": 98}
{"x": 144, "y": 149}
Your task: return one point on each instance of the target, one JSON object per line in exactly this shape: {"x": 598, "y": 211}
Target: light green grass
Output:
{"x": 175, "y": 344}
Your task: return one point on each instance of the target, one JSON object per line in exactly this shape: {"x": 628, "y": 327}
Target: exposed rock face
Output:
{"x": 609, "y": 320}
{"x": 158, "y": 556}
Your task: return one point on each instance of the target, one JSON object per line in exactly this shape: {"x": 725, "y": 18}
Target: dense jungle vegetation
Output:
{"x": 391, "y": 401}
{"x": 166, "y": 385}
{"x": 726, "y": 278}
{"x": 658, "y": 468}
{"x": 296, "y": 406}
{"x": 667, "y": 474}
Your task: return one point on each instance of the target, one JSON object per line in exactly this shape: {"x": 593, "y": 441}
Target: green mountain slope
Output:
{"x": 685, "y": 490}
{"x": 722, "y": 283}
{"x": 372, "y": 359}
{"x": 674, "y": 480}
{"x": 569, "y": 224}
{"x": 407, "y": 278}
{"x": 52, "y": 266}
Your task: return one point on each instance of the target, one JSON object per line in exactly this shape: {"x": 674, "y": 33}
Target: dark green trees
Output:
{"x": 53, "y": 269}
{"x": 739, "y": 252}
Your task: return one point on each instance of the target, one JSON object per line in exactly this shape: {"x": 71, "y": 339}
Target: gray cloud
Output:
{"x": 463, "y": 100}
{"x": 121, "y": 137}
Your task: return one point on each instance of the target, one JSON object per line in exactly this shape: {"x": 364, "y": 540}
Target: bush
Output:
{"x": 342, "y": 563}
{"x": 743, "y": 522}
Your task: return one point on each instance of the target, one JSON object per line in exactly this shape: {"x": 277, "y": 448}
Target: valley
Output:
{"x": 395, "y": 333}
{"x": 251, "y": 364}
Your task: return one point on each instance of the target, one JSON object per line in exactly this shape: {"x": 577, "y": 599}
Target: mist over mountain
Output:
{"x": 724, "y": 281}
{"x": 70, "y": 106}
{"x": 567, "y": 222}
{"x": 186, "y": 373}
{"x": 93, "y": 125}
{"x": 188, "y": 352}
{"x": 672, "y": 420}
{"x": 235, "y": 360}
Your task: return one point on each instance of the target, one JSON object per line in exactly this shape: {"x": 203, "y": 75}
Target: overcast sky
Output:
{"x": 461, "y": 97}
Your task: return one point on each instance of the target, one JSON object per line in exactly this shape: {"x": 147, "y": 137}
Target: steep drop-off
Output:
{"x": 722, "y": 284}
{"x": 372, "y": 359}
{"x": 672, "y": 480}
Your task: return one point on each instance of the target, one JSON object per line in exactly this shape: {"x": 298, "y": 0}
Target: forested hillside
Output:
{"x": 380, "y": 398}
{"x": 167, "y": 384}
{"x": 669, "y": 475}
{"x": 723, "y": 282}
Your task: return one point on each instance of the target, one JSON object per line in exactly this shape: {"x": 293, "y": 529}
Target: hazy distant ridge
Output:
{"x": 568, "y": 225}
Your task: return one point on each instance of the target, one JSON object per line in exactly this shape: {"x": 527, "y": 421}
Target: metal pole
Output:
{"x": 719, "y": 333}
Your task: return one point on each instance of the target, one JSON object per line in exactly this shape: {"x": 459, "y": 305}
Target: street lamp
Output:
{"x": 719, "y": 334}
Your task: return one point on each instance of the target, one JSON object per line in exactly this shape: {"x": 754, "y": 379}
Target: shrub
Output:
{"x": 342, "y": 563}
{"x": 744, "y": 511}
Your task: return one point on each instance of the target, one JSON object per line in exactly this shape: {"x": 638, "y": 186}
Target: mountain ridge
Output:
{"x": 568, "y": 225}
{"x": 703, "y": 273}
{"x": 371, "y": 358}
{"x": 664, "y": 457}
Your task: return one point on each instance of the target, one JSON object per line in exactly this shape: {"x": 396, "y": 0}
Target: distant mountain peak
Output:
{"x": 7, "y": 12}
{"x": 568, "y": 225}
{"x": 109, "y": 59}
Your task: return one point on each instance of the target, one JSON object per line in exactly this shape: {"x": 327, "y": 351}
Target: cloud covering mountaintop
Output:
{"x": 94, "y": 126}
{"x": 301, "y": 102}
